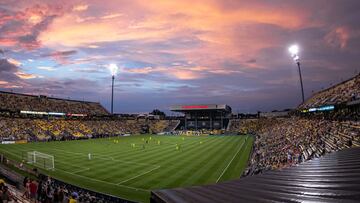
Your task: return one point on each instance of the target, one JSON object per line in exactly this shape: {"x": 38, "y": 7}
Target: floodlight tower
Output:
{"x": 294, "y": 50}
{"x": 113, "y": 69}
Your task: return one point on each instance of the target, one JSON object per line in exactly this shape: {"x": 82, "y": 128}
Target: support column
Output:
{"x": 196, "y": 121}
{"x": 222, "y": 121}
{"x": 185, "y": 122}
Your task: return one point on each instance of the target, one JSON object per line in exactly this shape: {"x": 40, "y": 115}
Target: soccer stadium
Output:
{"x": 155, "y": 113}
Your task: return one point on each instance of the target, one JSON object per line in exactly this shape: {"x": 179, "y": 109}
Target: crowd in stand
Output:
{"x": 279, "y": 143}
{"x": 287, "y": 141}
{"x": 60, "y": 129}
{"x": 5, "y": 195}
{"x": 343, "y": 92}
{"x": 10, "y": 194}
{"x": 197, "y": 132}
{"x": 21, "y": 102}
{"x": 282, "y": 142}
{"x": 48, "y": 190}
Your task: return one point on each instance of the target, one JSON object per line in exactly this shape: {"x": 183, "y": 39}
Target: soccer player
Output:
{"x": 89, "y": 156}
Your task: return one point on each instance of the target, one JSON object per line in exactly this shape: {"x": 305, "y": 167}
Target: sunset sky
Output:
{"x": 178, "y": 52}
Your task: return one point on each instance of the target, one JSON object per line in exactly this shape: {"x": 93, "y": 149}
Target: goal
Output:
{"x": 41, "y": 160}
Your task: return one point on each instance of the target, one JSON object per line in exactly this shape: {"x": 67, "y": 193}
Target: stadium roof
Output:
{"x": 332, "y": 178}
{"x": 200, "y": 107}
{"x": 45, "y": 96}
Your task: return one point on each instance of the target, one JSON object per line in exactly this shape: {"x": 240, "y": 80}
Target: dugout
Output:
{"x": 203, "y": 116}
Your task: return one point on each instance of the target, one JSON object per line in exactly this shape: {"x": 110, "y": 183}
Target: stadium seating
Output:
{"x": 58, "y": 129}
{"x": 279, "y": 143}
{"x": 22, "y": 102}
{"x": 287, "y": 141}
{"x": 344, "y": 92}
{"x": 282, "y": 142}
{"x": 14, "y": 195}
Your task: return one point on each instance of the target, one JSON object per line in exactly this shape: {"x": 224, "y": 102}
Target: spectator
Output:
{"x": 5, "y": 194}
{"x": 33, "y": 190}
{"x": 73, "y": 198}
{"x": 27, "y": 188}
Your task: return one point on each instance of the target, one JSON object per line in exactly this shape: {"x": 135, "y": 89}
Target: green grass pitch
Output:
{"x": 118, "y": 168}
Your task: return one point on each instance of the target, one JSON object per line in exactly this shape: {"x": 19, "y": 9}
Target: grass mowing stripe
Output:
{"x": 79, "y": 183}
{"x": 156, "y": 179}
{"x": 62, "y": 163}
{"x": 134, "y": 168}
{"x": 139, "y": 153}
{"x": 100, "y": 170}
{"x": 230, "y": 161}
{"x": 201, "y": 166}
{"x": 241, "y": 160}
{"x": 96, "y": 180}
{"x": 182, "y": 163}
{"x": 139, "y": 175}
{"x": 74, "y": 174}
{"x": 112, "y": 163}
{"x": 212, "y": 169}
{"x": 107, "y": 158}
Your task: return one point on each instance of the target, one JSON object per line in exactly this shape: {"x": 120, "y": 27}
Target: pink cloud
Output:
{"x": 2, "y": 83}
{"x": 26, "y": 76}
{"x": 80, "y": 7}
{"x": 338, "y": 37}
{"x": 21, "y": 27}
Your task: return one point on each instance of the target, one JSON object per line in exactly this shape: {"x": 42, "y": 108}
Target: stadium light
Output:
{"x": 294, "y": 51}
{"x": 113, "y": 70}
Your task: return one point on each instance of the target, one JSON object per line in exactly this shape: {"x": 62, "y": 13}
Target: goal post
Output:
{"x": 41, "y": 160}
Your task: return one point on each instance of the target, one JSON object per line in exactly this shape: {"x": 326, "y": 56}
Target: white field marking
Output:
{"x": 108, "y": 158}
{"x": 85, "y": 177}
{"x": 230, "y": 162}
{"x": 82, "y": 170}
{"x": 170, "y": 145}
{"x": 102, "y": 181}
{"x": 141, "y": 174}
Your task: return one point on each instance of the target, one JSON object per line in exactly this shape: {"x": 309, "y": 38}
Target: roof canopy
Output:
{"x": 200, "y": 107}
{"x": 332, "y": 178}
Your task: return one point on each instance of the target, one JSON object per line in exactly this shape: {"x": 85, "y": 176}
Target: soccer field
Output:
{"x": 118, "y": 168}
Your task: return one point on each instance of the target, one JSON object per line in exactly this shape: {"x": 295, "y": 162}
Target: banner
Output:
{"x": 8, "y": 142}
{"x": 21, "y": 141}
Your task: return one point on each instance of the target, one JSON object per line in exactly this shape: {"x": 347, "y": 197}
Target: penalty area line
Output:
{"x": 101, "y": 181}
{"x": 141, "y": 174}
{"x": 82, "y": 170}
{"x": 85, "y": 177}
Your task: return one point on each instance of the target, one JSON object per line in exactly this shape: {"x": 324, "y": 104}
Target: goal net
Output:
{"x": 41, "y": 160}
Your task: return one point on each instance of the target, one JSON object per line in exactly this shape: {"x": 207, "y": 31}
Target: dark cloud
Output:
{"x": 6, "y": 67}
{"x": 9, "y": 79}
{"x": 251, "y": 61}
{"x": 22, "y": 27}
{"x": 60, "y": 53}
{"x": 234, "y": 53}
